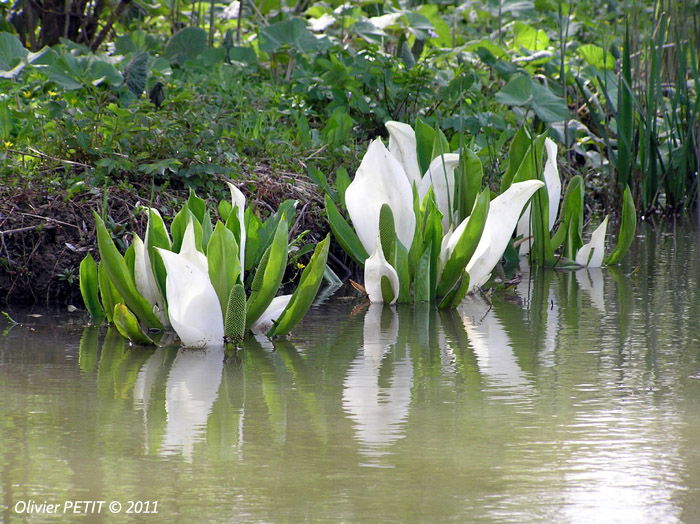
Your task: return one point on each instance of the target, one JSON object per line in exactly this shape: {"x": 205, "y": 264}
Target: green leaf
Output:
{"x": 135, "y": 73}
{"x": 628, "y": 227}
{"x": 570, "y": 231}
{"x": 157, "y": 237}
{"x": 529, "y": 38}
{"x": 225, "y": 207}
{"x": 186, "y": 44}
{"x": 465, "y": 246}
{"x": 517, "y": 92}
{"x": 304, "y": 294}
{"x": 224, "y": 263}
{"x": 268, "y": 276}
{"x": 472, "y": 174}
{"x": 342, "y": 181}
{"x": 596, "y": 56}
{"x": 425, "y": 137}
{"x": 455, "y": 296}
{"x": 344, "y": 234}
{"x": 12, "y": 52}
{"x": 290, "y": 33}
{"x": 516, "y": 152}
{"x": 128, "y": 326}
{"x": 89, "y": 288}
{"x": 547, "y": 106}
{"x": 109, "y": 295}
{"x": 121, "y": 278}
{"x": 235, "y": 315}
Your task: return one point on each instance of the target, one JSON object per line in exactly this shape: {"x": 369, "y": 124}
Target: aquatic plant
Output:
{"x": 191, "y": 278}
{"x": 560, "y": 246}
{"x": 431, "y": 238}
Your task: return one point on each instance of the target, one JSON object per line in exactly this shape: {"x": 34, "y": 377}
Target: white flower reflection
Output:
{"x": 190, "y": 392}
{"x": 378, "y": 411}
{"x": 492, "y": 347}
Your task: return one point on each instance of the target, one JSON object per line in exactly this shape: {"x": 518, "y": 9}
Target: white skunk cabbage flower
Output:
{"x": 377, "y": 267}
{"x": 146, "y": 281}
{"x": 271, "y": 314}
{"x": 403, "y": 145}
{"x": 193, "y": 307}
{"x": 238, "y": 201}
{"x": 553, "y": 183}
{"x": 379, "y": 180}
{"x": 592, "y": 254}
{"x": 504, "y": 212}
{"x": 441, "y": 177}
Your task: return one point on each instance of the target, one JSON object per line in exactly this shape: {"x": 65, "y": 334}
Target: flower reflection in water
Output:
{"x": 377, "y": 406}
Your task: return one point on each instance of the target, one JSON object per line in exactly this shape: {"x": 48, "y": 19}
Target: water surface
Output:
{"x": 573, "y": 397}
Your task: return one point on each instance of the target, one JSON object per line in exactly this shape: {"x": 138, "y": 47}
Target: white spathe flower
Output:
{"x": 441, "y": 177}
{"x": 592, "y": 253}
{"x": 238, "y": 201}
{"x": 146, "y": 281}
{"x": 193, "y": 306}
{"x": 501, "y": 220}
{"x": 189, "y": 250}
{"x": 377, "y": 267}
{"x": 379, "y": 180}
{"x": 403, "y": 145}
{"x": 553, "y": 183}
{"x": 271, "y": 314}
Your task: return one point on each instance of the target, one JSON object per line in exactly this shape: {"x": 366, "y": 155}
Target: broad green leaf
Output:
{"x": 628, "y": 227}
{"x": 128, "y": 326}
{"x": 186, "y": 44}
{"x": 291, "y": 33}
{"x": 89, "y": 288}
{"x": 596, "y": 56}
{"x": 268, "y": 276}
{"x": 225, "y": 207}
{"x": 440, "y": 145}
{"x": 121, "y": 278}
{"x": 304, "y": 294}
{"x": 570, "y": 231}
{"x": 472, "y": 174}
{"x": 529, "y": 38}
{"x": 455, "y": 295}
{"x": 517, "y": 92}
{"x": 224, "y": 263}
{"x": 547, "y": 106}
{"x": 109, "y": 295}
{"x": 465, "y": 245}
{"x": 198, "y": 207}
{"x": 342, "y": 181}
{"x": 344, "y": 234}
{"x": 12, "y": 52}
{"x": 157, "y": 237}
{"x": 425, "y": 137}
{"x": 234, "y": 325}
{"x": 516, "y": 152}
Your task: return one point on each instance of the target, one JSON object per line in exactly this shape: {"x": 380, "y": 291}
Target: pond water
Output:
{"x": 573, "y": 397}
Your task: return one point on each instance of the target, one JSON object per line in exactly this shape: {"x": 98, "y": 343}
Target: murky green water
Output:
{"x": 574, "y": 398}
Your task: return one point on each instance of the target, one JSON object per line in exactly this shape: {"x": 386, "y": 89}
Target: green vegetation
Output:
{"x": 177, "y": 95}
{"x": 193, "y": 277}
